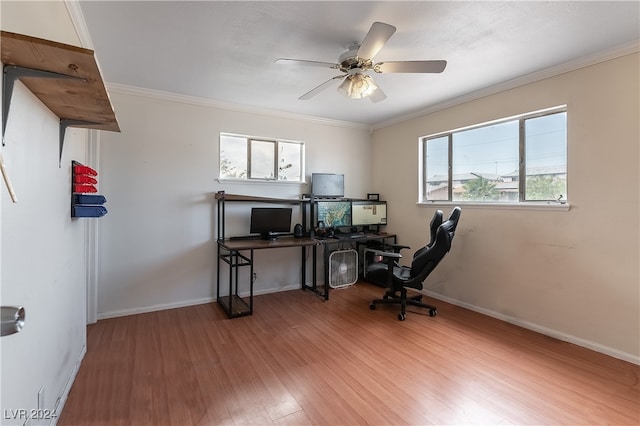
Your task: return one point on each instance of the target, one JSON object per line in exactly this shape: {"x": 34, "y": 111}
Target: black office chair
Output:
{"x": 398, "y": 278}
{"x": 375, "y": 246}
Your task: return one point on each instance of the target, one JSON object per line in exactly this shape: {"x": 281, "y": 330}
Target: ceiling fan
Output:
{"x": 357, "y": 61}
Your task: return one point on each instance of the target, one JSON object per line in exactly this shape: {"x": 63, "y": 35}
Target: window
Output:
{"x": 248, "y": 158}
{"x": 513, "y": 160}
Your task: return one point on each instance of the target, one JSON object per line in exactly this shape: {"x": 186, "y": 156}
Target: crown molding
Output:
{"x": 80, "y": 26}
{"x": 619, "y": 51}
{"x": 79, "y": 23}
{"x": 77, "y": 18}
{"x": 623, "y": 50}
{"x": 212, "y": 103}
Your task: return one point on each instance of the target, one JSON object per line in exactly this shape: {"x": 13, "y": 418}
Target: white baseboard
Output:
{"x": 276, "y": 290}
{"x": 185, "y": 303}
{"x": 635, "y": 359}
{"x": 67, "y": 388}
{"x": 162, "y": 307}
{"x": 154, "y": 308}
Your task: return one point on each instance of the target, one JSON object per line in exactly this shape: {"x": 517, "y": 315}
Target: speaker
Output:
{"x": 297, "y": 231}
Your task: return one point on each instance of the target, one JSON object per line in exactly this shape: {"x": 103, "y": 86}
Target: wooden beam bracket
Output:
{"x": 11, "y": 73}
{"x": 64, "y": 123}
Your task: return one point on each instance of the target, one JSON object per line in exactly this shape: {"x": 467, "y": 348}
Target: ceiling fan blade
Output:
{"x": 377, "y": 36}
{"x": 311, "y": 93}
{"x": 410, "y": 66}
{"x": 377, "y": 95}
{"x": 303, "y": 62}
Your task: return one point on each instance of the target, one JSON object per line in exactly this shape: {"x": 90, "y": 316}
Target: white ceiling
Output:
{"x": 225, "y": 51}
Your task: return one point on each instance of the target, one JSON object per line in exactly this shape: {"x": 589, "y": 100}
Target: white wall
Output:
{"x": 42, "y": 247}
{"x": 572, "y": 274}
{"x": 157, "y": 244}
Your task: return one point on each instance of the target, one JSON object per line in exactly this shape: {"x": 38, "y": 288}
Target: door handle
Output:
{"x": 12, "y": 319}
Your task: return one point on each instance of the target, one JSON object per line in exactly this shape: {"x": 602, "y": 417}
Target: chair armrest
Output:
{"x": 387, "y": 254}
{"x": 396, "y": 247}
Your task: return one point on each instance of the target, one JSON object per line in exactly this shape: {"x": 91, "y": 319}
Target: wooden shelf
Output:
{"x": 221, "y": 195}
{"x": 84, "y": 101}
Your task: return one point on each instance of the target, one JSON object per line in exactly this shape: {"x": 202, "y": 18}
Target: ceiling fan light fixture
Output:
{"x": 357, "y": 61}
{"x": 357, "y": 86}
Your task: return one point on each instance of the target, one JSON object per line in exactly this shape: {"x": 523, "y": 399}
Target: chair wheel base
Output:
{"x": 403, "y": 300}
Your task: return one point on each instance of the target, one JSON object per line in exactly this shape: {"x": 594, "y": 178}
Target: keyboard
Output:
{"x": 350, "y": 236}
{"x": 245, "y": 237}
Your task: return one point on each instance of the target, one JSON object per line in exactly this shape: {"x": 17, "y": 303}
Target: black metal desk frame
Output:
{"x": 231, "y": 253}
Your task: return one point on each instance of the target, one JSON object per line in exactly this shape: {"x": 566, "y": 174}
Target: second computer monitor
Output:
{"x": 366, "y": 213}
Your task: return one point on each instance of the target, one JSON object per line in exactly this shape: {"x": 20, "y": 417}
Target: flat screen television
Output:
{"x": 327, "y": 185}
{"x": 270, "y": 222}
{"x": 365, "y": 213}
{"x": 333, "y": 214}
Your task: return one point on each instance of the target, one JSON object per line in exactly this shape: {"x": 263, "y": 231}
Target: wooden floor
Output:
{"x": 300, "y": 360}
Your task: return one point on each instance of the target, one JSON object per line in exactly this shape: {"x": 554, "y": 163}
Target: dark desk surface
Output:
{"x": 280, "y": 242}
{"x": 288, "y": 241}
{"x": 357, "y": 237}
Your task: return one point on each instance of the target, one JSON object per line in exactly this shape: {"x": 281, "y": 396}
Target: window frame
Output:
{"x": 522, "y": 202}
{"x": 277, "y": 143}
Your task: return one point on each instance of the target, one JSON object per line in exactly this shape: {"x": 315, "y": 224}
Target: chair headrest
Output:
{"x": 436, "y": 221}
{"x": 455, "y": 216}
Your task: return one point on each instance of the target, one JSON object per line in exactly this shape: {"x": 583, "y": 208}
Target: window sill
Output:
{"x": 542, "y": 205}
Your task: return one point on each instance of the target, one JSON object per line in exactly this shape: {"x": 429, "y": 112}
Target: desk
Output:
{"x": 229, "y": 251}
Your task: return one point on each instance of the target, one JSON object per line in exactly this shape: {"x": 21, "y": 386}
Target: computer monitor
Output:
{"x": 333, "y": 214}
{"x": 327, "y": 185}
{"x": 269, "y": 222}
{"x": 366, "y": 213}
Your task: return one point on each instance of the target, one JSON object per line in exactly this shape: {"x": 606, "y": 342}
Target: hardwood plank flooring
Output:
{"x": 299, "y": 360}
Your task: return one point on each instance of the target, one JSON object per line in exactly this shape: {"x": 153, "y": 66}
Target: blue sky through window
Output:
{"x": 494, "y": 149}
